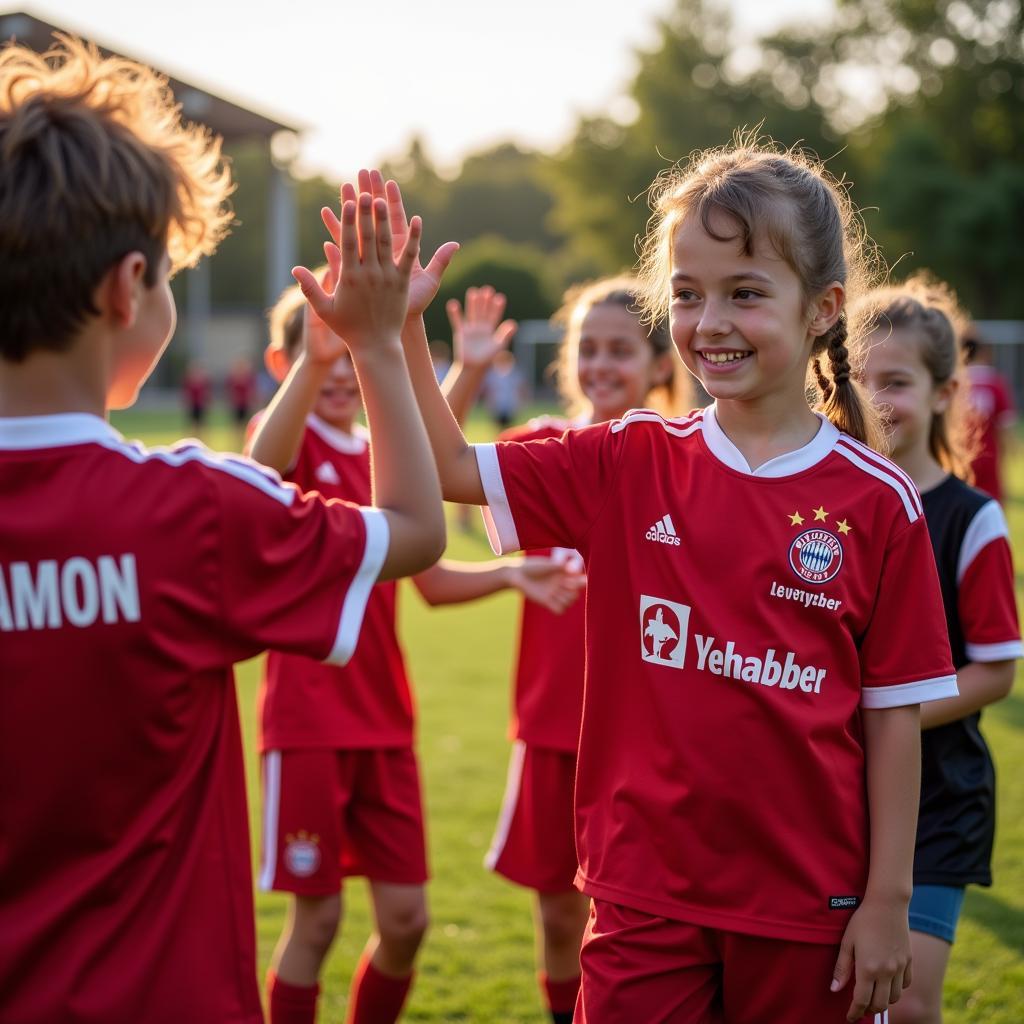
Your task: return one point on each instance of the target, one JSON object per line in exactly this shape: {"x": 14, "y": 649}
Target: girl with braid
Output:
{"x": 748, "y": 771}
{"x": 914, "y": 373}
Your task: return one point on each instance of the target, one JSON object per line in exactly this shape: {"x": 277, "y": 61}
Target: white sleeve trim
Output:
{"x": 354, "y": 606}
{"x": 1005, "y": 651}
{"x": 918, "y": 692}
{"x": 501, "y": 529}
{"x": 989, "y": 524}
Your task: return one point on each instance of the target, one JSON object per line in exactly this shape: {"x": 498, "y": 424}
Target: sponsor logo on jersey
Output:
{"x": 816, "y": 556}
{"x": 664, "y": 531}
{"x": 664, "y": 635}
{"x": 807, "y": 598}
{"x": 327, "y": 474}
{"x": 302, "y": 854}
{"x": 663, "y": 631}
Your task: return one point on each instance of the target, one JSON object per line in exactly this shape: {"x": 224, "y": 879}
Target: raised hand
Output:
{"x": 477, "y": 336}
{"x": 321, "y": 345}
{"x": 370, "y": 298}
{"x": 550, "y": 583}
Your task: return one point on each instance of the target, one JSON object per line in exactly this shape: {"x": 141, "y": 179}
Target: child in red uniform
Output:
{"x": 132, "y": 580}
{"x": 746, "y": 785}
{"x": 341, "y": 784}
{"x": 609, "y": 363}
{"x": 990, "y": 399}
{"x": 913, "y": 371}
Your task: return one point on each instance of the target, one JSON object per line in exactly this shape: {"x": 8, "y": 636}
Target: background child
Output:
{"x": 609, "y": 363}
{"x": 131, "y": 580}
{"x": 990, "y": 399}
{"x": 341, "y": 782}
{"x": 747, "y": 779}
{"x": 913, "y": 371}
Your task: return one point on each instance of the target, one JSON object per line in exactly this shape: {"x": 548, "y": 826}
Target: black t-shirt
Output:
{"x": 956, "y": 825}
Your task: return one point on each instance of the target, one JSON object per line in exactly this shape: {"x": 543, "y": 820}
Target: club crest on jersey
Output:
{"x": 302, "y": 854}
{"x": 663, "y": 629}
{"x": 816, "y": 556}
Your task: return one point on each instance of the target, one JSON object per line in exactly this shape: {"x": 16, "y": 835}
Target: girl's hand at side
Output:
{"x": 876, "y": 950}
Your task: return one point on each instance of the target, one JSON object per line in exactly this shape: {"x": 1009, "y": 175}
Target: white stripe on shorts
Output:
{"x": 508, "y": 804}
{"x": 271, "y": 811}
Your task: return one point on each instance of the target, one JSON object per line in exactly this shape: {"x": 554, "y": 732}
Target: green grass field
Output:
{"x": 478, "y": 962}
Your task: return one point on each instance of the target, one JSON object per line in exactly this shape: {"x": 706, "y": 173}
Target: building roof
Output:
{"x": 229, "y": 120}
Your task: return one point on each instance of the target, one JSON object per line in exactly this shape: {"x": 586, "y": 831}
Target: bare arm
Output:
{"x": 980, "y": 683}
{"x": 279, "y": 433}
{"x": 367, "y": 308}
{"x": 877, "y": 939}
{"x": 542, "y": 580}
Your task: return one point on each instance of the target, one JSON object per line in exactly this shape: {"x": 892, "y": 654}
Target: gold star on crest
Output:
{"x": 796, "y": 519}
{"x": 820, "y": 515}
{"x": 843, "y": 527}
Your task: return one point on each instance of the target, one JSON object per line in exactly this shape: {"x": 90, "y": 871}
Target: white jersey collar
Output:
{"x": 787, "y": 464}
{"x": 351, "y": 444}
{"x": 57, "y": 431}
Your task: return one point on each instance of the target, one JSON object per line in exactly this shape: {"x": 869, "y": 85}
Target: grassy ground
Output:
{"x": 478, "y": 964}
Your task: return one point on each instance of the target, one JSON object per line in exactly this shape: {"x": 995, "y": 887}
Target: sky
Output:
{"x": 362, "y": 79}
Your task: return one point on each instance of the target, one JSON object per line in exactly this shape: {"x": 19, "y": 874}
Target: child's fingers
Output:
{"x": 333, "y": 256}
{"x": 471, "y": 304}
{"x": 454, "y": 311}
{"x": 363, "y": 180}
{"x": 310, "y": 287}
{"x": 411, "y": 249}
{"x": 377, "y": 185}
{"x": 495, "y": 306}
{"x": 863, "y": 994}
{"x": 896, "y": 988}
{"x": 396, "y": 209}
{"x": 367, "y": 235}
{"x": 440, "y": 260}
{"x": 841, "y": 972}
{"x": 349, "y": 237}
{"x": 383, "y": 231}
{"x": 908, "y": 974}
{"x": 504, "y": 331}
{"x": 348, "y": 193}
{"x": 331, "y": 222}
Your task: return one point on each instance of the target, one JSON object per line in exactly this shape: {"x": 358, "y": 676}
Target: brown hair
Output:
{"x": 788, "y": 200}
{"x": 927, "y": 308}
{"x": 95, "y": 163}
{"x": 670, "y": 398}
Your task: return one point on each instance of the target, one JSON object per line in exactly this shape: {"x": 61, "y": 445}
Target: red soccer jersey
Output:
{"x": 130, "y": 581}
{"x": 992, "y": 405}
{"x": 304, "y": 703}
{"x": 721, "y": 762}
{"x": 548, "y": 702}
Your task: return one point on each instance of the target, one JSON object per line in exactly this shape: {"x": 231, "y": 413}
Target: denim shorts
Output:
{"x": 935, "y": 910}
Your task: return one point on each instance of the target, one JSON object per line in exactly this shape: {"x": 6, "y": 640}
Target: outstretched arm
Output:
{"x": 367, "y": 309}
{"x": 456, "y": 461}
{"x": 477, "y": 337}
{"x": 543, "y": 580}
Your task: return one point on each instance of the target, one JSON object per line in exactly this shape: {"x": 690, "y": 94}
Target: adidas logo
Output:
{"x": 327, "y": 474}
{"x": 664, "y": 532}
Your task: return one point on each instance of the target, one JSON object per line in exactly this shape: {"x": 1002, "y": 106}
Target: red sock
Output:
{"x": 376, "y": 998}
{"x": 291, "y": 1004}
{"x": 560, "y": 995}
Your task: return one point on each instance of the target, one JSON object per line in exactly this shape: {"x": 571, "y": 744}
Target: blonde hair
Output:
{"x": 927, "y": 308}
{"x": 788, "y": 200}
{"x": 95, "y": 163}
{"x": 670, "y": 398}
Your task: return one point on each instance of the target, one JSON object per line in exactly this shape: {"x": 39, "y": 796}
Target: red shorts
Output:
{"x": 533, "y": 843}
{"x": 637, "y": 967}
{"x": 328, "y": 814}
